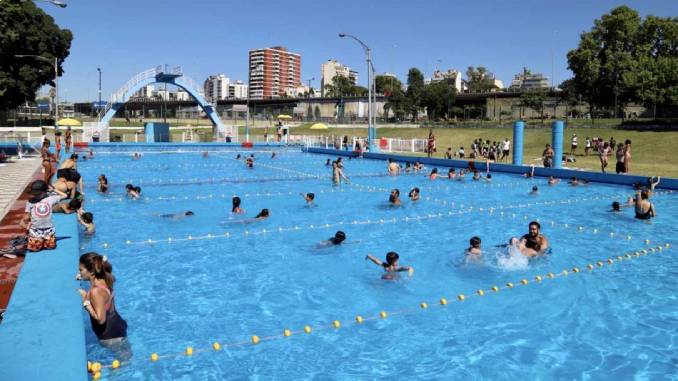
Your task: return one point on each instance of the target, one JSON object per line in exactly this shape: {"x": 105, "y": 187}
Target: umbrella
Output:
{"x": 69, "y": 122}
{"x": 319, "y": 126}
{"x": 283, "y": 116}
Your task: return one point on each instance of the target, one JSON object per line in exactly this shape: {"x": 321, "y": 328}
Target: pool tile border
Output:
{"x": 606, "y": 178}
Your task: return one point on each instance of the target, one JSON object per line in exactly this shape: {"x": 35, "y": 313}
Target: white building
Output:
{"x": 237, "y": 90}
{"x": 216, "y": 87}
{"x": 528, "y": 81}
{"x": 452, "y": 75}
{"x": 331, "y": 69}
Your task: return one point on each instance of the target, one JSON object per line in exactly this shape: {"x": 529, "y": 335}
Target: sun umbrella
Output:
{"x": 69, "y": 122}
{"x": 283, "y": 116}
{"x": 319, "y": 126}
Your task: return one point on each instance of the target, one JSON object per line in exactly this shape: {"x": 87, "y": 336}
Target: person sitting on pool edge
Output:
{"x": 473, "y": 252}
{"x": 391, "y": 265}
{"x": 235, "y": 208}
{"x": 414, "y": 194}
{"x": 533, "y": 243}
{"x": 394, "y": 197}
{"x": 99, "y": 302}
{"x": 644, "y": 208}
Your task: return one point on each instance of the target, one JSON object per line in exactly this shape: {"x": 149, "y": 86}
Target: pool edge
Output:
{"x": 606, "y": 178}
{"x": 42, "y": 335}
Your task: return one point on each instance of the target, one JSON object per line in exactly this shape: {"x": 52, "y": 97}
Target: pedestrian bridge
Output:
{"x": 162, "y": 74}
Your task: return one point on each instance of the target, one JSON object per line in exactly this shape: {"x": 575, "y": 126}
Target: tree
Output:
{"x": 438, "y": 99}
{"x": 387, "y": 85}
{"x": 27, "y": 29}
{"x": 624, "y": 58}
{"x": 479, "y": 80}
{"x": 568, "y": 95}
{"x": 415, "y": 92}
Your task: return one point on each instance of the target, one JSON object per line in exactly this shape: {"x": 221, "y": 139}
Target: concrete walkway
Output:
{"x": 14, "y": 177}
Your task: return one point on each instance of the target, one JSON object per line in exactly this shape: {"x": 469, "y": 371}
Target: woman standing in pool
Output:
{"x": 47, "y": 159}
{"x": 99, "y": 303}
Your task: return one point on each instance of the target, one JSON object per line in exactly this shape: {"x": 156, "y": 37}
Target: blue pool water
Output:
{"x": 231, "y": 280}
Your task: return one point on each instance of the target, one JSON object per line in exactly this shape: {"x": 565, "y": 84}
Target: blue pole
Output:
{"x": 557, "y": 143}
{"x": 518, "y": 132}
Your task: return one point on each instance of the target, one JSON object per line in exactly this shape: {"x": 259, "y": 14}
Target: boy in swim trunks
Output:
{"x": 38, "y": 218}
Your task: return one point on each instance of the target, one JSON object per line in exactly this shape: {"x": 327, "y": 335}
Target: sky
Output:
{"x": 205, "y": 37}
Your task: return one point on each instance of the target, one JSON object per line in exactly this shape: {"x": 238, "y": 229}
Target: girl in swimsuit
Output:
{"x": 99, "y": 302}
{"x": 67, "y": 138}
{"x": 47, "y": 158}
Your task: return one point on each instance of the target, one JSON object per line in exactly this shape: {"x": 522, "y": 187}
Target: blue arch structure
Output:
{"x": 172, "y": 79}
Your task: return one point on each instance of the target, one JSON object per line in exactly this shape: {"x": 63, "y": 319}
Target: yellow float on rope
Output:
{"x": 336, "y": 324}
{"x": 189, "y": 351}
{"x": 216, "y": 346}
{"x": 307, "y": 329}
{"x": 115, "y": 364}
{"x": 509, "y": 285}
{"x": 154, "y": 357}
{"x": 255, "y": 339}
{"x": 524, "y": 281}
{"x": 359, "y": 319}
{"x": 461, "y": 297}
{"x": 480, "y": 292}
{"x": 423, "y": 305}
{"x": 383, "y": 314}
{"x": 443, "y": 301}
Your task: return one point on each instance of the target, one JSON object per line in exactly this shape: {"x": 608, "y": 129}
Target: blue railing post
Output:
{"x": 518, "y": 132}
{"x": 557, "y": 143}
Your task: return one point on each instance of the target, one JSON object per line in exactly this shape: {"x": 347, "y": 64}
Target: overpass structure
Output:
{"x": 162, "y": 74}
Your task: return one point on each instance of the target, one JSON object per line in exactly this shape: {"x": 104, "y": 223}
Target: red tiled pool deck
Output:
{"x": 15, "y": 177}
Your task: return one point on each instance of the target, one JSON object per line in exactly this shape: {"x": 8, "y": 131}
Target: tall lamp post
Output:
{"x": 371, "y": 121}
{"x": 56, "y": 80}
{"x": 99, "y": 104}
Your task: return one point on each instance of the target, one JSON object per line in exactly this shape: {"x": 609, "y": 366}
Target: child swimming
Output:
{"x": 391, "y": 265}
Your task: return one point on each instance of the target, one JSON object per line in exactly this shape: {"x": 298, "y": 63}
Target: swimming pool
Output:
{"x": 209, "y": 278}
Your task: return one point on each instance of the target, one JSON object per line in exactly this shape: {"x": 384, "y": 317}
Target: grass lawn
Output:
{"x": 652, "y": 153}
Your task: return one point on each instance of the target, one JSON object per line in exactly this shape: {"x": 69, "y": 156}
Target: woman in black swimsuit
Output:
{"x": 99, "y": 303}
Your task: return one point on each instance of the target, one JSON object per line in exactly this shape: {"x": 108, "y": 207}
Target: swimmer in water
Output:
{"x": 616, "y": 207}
{"x": 309, "y": 197}
{"x": 553, "y": 180}
{"x": 414, "y": 194}
{"x": 408, "y": 167}
{"x": 235, "y": 208}
{"x": 86, "y": 219}
{"x": 338, "y": 173}
{"x": 273, "y": 155}
{"x": 394, "y": 197}
{"x": 434, "y": 174}
{"x": 177, "y": 216}
{"x": 338, "y": 238}
{"x": 132, "y": 191}
{"x": 391, "y": 265}
{"x": 530, "y": 173}
{"x": 534, "y": 191}
{"x": 237, "y": 157}
{"x": 102, "y": 185}
{"x": 205, "y": 154}
{"x": 418, "y": 166}
{"x": 249, "y": 162}
{"x": 393, "y": 168}
{"x": 262, "y": 215}
{"x": 533, "y": 243}
{"x": 451, "y": 174}
{"x": 476, "y": 175}
{"x": 328, "y": 163}
{"x": 473, "y": 252}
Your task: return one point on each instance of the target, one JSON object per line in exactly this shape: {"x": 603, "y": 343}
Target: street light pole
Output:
{"x": 371, "y": 120}
{"x": 99, "y": 70}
